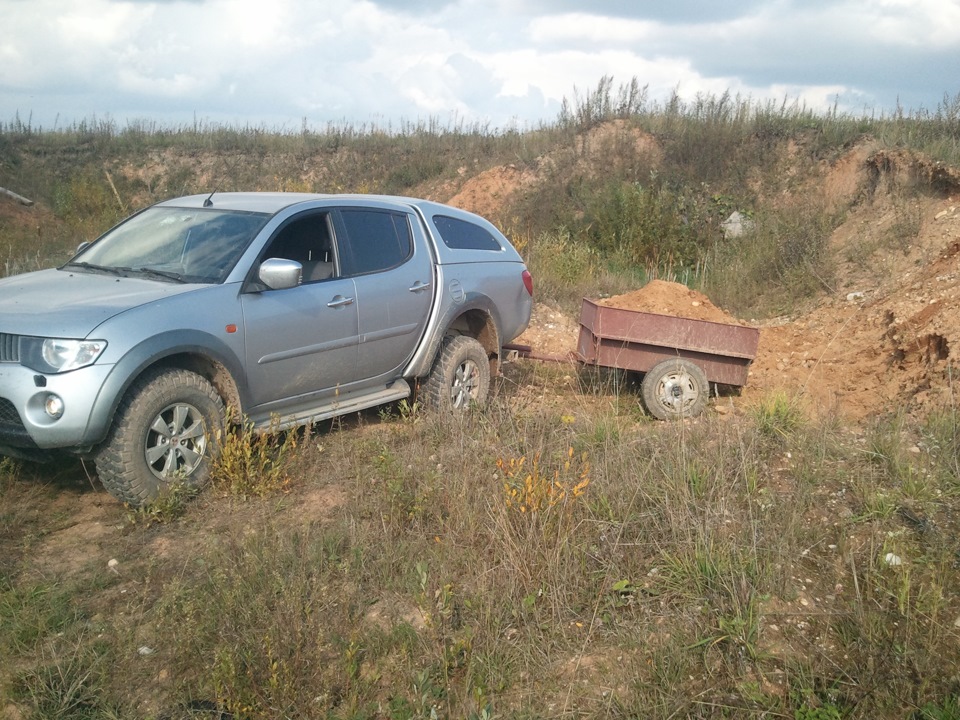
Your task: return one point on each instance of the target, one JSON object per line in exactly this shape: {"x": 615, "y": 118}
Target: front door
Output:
{"x": 301, "y": 342}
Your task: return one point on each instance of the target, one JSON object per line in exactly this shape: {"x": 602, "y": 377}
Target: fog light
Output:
{"x": 54, "y": 406}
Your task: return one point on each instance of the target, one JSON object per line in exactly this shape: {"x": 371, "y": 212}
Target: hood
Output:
{"x": 68, "y": 303}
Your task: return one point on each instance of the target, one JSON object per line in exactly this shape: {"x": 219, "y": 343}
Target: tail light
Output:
{"x": 528, "y": 281}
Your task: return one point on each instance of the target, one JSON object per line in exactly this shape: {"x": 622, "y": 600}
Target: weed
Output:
{"x": 949, "y": 709}
{"x": 562, "y": 265}
{"x": 781, "y": 260}
{"x": 404, "y": 410}
{"x": 9, "y": 471}
{"x": 941, "y": 434}
{"x": 30, "y": 613}
{"x": 778, "y": 416}
{"x": 536, "y": 489}
{"x": 251, "y": 463}
{"x": 169, "y": 506}
{"x": 67, "y": 684}
{"x": 828, "y": 711}
{"x": 906, "y": 225}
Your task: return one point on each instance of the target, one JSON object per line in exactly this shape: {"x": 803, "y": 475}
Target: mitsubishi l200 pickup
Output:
{"x": 287, "y": 308}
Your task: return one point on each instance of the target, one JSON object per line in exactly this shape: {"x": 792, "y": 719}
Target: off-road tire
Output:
{"x": 460, "y": 376}
{"x": 165, "y": 432}
{"x": 674, "y": 389}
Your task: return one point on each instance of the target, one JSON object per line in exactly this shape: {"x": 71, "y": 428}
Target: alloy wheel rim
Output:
{"x": 176, "y": 442}
{"x": 466, "y": 384}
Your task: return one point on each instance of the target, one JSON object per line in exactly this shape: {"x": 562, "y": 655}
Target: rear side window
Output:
{"x": 463, "y": 235}
{"x": 377, "y": 240}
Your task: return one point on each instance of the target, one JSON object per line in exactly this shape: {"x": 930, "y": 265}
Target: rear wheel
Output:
{"x": 674, "y": 389}
{"x": 164, "y": 433}
{"x": 460, "y": 377}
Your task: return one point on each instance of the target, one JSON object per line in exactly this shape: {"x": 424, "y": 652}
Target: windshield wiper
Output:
{"x": 176, "y": 277}
{"x": 100, "y": 268}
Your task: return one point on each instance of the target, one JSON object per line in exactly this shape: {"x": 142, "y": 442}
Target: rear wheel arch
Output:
{"x": 480, "y": 325}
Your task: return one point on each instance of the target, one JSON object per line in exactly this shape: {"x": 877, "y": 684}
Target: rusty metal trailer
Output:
{"x": 679, "y": 357}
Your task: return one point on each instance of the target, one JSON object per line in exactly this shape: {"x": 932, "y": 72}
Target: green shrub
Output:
{"x": 782, "y": 260}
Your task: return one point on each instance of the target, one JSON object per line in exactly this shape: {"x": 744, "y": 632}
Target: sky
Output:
{"x": 280, "y": 64}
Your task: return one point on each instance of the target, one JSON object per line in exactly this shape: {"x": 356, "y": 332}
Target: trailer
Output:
{"x": 678, "y": 357}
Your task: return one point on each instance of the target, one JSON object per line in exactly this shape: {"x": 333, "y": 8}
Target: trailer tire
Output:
{"x": 460, "y": 377}
{"x": 675, "y": 389}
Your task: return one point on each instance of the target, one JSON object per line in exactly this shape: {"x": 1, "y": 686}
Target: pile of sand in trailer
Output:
{"x": 670, "y": 298}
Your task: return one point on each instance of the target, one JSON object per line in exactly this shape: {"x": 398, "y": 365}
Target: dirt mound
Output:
{"x": 489, "y": 192}
{"x": 670, "y": 298}
{"x": 883, "y": 340}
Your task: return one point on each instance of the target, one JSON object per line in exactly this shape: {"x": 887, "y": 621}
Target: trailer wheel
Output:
{"x": 675, "y": 389}
{"x": 460, "y": 377}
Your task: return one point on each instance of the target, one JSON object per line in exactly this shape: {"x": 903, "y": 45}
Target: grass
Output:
{"x": 516, "y": 563}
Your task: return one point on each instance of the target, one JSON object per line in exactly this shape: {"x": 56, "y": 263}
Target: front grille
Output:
{"x": 9, "y": 347}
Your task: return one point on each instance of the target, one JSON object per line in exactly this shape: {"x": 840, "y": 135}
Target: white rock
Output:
{"x": 736, "y": 225}
{"x": 893, "y": 560}
{"x": 145, "y": 650}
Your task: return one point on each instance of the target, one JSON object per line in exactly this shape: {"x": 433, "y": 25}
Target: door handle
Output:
{"x": 339, "y": 301}
{"x": 420, "y": 286}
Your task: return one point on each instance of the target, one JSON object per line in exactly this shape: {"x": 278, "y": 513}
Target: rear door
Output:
{"x": 385, "y": 254}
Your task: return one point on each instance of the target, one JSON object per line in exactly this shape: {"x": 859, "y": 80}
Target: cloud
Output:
{"x": 682, "y": 12}
{"x": 478, "y": 60}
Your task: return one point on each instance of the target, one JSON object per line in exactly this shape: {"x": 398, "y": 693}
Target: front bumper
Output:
{"x": 24, "y": 423}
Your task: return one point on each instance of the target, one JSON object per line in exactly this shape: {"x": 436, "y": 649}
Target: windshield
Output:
{"x": 176, "y": 244}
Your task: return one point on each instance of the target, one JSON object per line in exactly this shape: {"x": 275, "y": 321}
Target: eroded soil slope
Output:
{"x": 885, "y": 334}
{"x": 876, "y": 342}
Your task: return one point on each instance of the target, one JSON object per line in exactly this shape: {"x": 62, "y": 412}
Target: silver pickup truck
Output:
{"x": 287, "y": 308}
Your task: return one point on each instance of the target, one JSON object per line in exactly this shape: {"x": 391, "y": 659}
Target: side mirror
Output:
{"x": 280, "y": 273}
{"x": 82, "y": 246}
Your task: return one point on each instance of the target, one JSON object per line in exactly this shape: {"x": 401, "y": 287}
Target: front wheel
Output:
{"x": 675, "y": 389}
{"x": 165, "y": 432}
{"x": 460, "y": 377}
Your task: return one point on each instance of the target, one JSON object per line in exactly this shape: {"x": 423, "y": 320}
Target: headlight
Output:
{"x": 56, "y": 355}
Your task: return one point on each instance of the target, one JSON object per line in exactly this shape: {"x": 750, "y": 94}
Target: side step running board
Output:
{"x": 341, "y": 405}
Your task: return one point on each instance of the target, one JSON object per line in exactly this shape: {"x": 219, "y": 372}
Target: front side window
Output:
{"x": 307, "y": 240}
{"x": 376, "y": 240}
